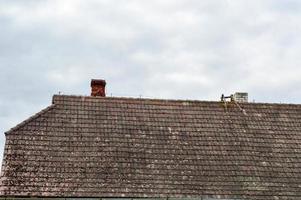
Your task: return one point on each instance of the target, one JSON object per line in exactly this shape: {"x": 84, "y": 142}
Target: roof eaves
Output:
{"x": 30, "y": 119}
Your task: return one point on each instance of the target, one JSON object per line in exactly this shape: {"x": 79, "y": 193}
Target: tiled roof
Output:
{"x": 123, "y": 147}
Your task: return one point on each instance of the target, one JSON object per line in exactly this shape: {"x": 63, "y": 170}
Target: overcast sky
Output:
{"x": 175, "y": 49}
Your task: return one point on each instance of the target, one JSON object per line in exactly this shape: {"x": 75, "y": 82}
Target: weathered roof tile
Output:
{"x": 122, "y": 147}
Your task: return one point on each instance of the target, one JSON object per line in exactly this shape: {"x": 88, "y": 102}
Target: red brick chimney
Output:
{"x": 98, "y": 87}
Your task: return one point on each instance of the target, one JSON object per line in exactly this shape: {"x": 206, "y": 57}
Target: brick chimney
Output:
{"x": 98, "y": 87}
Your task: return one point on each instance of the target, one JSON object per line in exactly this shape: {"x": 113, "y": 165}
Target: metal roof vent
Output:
{"x": 241, "y": 97}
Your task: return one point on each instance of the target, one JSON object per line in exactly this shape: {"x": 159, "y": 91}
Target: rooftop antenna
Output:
{"x": 234, "y": 99}
{"x": 224, "y": 100}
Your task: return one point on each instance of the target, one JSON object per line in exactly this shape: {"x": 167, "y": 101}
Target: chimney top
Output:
{"x": 98, "y": 82}
{"x": 98, "y": 87}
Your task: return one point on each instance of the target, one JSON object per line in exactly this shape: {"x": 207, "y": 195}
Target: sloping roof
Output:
{"x": 123, "y": 147}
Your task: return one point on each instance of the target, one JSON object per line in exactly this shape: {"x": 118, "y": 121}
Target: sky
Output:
{"x": 170, "y": 49}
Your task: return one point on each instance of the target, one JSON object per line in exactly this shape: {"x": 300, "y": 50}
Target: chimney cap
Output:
{"x": 98, "y": 82}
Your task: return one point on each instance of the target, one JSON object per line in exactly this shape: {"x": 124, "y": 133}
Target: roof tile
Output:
{"x": 124, "y": 147}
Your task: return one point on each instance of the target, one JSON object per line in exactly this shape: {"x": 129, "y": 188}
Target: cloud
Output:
{"x": 182, "y": 49}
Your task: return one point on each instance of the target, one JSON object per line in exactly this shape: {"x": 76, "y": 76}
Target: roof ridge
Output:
{"x": 130, "y": 98}
{"x": 30, "y": 119}
{"x": 54, "y": 99}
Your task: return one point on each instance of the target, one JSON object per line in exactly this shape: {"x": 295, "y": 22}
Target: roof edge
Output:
{"x": 30, "y": 119}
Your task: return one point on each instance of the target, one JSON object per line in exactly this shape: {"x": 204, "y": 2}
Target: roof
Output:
{"x": 124, "y": 147}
